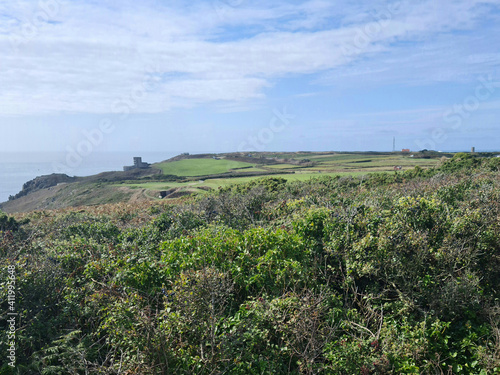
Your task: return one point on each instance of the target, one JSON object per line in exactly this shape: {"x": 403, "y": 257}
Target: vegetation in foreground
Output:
{"x": 389, "y": 274}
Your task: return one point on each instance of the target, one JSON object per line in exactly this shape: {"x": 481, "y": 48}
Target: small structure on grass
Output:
{"x": 138, "y": 164}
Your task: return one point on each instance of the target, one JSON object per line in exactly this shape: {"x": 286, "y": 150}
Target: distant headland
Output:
{"x": 187, "y": 174}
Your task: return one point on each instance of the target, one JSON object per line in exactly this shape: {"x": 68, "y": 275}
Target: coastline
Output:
{"x": 17, "y": 168}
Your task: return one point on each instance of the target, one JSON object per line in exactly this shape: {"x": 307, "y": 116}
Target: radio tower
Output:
{"x": 394, "y": 144}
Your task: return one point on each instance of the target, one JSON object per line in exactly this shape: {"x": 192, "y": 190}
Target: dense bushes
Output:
{"x": 8, "y": 223}
{"x": 393, "y": 274}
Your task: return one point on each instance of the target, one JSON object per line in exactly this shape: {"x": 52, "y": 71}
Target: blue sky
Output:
{"x": 243, "y": 75}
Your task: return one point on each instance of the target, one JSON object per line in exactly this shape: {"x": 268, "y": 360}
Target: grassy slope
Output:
{"x": 324, "y": 164}
{"x": 73, "y": 195}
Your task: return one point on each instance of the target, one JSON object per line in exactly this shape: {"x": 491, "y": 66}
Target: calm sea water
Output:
{"x": 18, "y": 168}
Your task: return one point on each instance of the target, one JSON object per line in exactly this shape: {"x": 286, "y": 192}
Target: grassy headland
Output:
{"x": 196, "y": 174}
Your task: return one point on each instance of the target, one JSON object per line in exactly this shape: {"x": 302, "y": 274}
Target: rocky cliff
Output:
{"x": 43, "y": 182}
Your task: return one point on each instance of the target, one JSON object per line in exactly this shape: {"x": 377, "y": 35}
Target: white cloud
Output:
{"x": 92, "y": 55}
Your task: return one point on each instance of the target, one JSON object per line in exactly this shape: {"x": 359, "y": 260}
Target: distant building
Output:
{"x": 138, "y": 164}
{"x": 473, "y": 149}
{"x": 405, "y": 150}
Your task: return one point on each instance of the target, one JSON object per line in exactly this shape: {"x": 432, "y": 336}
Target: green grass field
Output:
{"x": 199, "y": 167}
{"x": 222, "y": 182}
{"x": 360, "y": 161}
{"x": 284, "y": 166}
{"x": 327, "y": 164}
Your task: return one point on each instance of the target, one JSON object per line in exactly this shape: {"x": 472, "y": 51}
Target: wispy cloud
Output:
{"x": 92, "y": 54}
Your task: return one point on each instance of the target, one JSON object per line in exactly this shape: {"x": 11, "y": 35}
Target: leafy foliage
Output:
{"x": 391, "y": 274}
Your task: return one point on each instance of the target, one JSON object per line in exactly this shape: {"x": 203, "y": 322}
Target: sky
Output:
{"x": 83, "y": 76}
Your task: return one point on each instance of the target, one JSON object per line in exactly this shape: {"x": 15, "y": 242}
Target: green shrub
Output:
{"x": 8, "y": 223}
{"x": 389, "y": 274}
{"x": 99, "y": 231}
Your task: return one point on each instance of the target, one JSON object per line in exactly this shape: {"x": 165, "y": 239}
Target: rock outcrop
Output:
{"x": 43, "y": 182}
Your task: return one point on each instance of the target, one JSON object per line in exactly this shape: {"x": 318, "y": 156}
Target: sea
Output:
{"x": 19, "y": 167}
